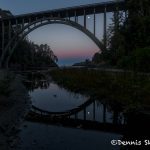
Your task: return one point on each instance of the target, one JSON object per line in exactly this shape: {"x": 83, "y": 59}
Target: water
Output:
{"x": 56, "y": 99}
{"x": 46, "y": 95}
{"x": 36, "y": 136}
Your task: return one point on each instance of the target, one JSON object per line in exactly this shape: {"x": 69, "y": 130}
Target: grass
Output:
{"x": 127, "y": 88}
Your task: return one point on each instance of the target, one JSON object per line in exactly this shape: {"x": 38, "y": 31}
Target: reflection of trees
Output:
{"x": 37, "y": 80}
{"x": 41, "y": 80}
{"x": 115, "y": 109}
{"x": 118, "y": 122}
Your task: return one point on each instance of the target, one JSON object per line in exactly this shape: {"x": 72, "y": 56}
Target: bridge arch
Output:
{"x": 63, "y": 113}
{"x": 24, "y": 31}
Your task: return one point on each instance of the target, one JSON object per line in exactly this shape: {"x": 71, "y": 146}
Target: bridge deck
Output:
{"x": 99, "y": 8}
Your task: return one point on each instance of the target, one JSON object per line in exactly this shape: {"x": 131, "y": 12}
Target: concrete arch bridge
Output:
{"x": 15, "y": 28}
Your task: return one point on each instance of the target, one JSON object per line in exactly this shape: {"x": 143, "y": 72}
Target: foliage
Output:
{"x": 129, "y": 36}
{"x": 137, "y": 24}
{"x": 29, "y": 54}
{"x": 141, "y": 58}
{"x": 97, "y": 58}
{"x": 126, "y": 88}
{"x": 138, "y": 61}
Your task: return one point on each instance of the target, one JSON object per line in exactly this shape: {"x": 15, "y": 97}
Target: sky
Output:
{"x": 68, "y": 44}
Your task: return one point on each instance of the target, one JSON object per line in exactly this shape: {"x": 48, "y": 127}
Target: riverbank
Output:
{"x": 126, "y": 88}
{"x": 14, "y": 101}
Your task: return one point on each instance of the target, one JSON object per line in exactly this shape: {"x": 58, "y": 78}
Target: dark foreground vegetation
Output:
{"x": 128, "y": 38}
{"x": 14, "y": 102}
{"x": 127, "y": 88}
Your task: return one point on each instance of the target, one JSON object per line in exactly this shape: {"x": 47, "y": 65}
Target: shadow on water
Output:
{"x": 57, "y": 106}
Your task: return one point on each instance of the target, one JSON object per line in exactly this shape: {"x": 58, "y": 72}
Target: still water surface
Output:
{"x": 54, "y": 98}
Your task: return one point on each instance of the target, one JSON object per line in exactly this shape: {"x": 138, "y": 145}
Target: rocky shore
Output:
{"x": 13, "y": 108}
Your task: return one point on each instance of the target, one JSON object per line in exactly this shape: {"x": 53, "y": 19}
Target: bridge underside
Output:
{"x": 20, "y": 34}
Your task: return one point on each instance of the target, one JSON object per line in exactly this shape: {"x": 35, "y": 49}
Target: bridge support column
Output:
{"x": 94, "y": 23}
{"x": 75, "y": 17}
{"x": 67, "y": 15}
{"x": 16, "y": 25}
{"x": 22, "y": 23}
{"x": 104, "y": 113}
{"x": 105, "y": 28}
{"x": 84, "y": 113}
{"x": 115, "y": 117}
{"x": 2, "y": 42}
{"x": 29, "y": 20}
{"x": 9, "y": 30}
{"x": 84, "y": 19}
{"x": 3, "y": 35}
{"x": 58, "y": 15}
{"x": 76, "y": 116}
{"x": 94, "y": 111}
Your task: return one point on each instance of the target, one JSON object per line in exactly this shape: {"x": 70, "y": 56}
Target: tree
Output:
{"x": 97, "y": 58}
{"x": 137, "y": 24}
{"x": 141, "y": 59}
{"x": 28, "y": 54}
{"x": 129, "y": 37}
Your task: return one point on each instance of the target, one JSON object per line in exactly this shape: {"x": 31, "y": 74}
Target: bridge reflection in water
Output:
{"x": 91, "y": 114}
{"x": 80, "y": 117}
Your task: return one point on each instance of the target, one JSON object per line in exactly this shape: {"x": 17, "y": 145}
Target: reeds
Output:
{"x": 128, "y": 88}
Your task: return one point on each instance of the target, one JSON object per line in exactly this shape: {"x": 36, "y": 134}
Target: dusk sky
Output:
{"x": 69, "y": 44}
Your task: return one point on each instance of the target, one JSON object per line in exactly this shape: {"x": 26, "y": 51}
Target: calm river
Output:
{"x": 81, "y": 129}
